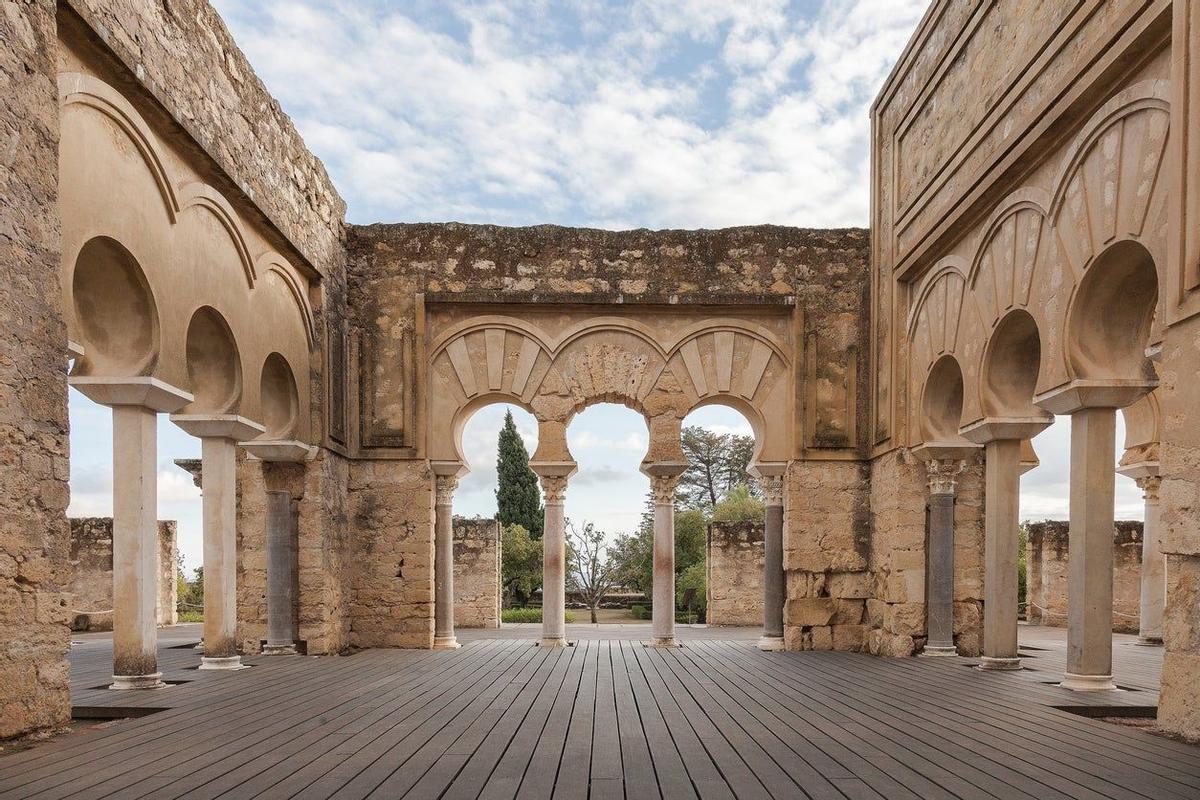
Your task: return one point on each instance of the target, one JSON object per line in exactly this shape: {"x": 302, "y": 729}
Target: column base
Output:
{"x": 770, "y": 644}
{"x": 663, "y": 641}
{"x": 279, "y": 650}
{"x": 1009, "y": 664}
{"x": 940, "y": 651}
{"x": 1150, "y": 641}
{"x": 1088, "y": 683}
{"x": 126, "y": 682}
{"x": 445, "y": 643}
{"x": 553, "y": 641}
{"x": 225, "y": 662}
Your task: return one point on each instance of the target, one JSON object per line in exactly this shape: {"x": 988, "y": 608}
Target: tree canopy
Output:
{"x": 717, "y": 462}
{"x": 521, "y": 565}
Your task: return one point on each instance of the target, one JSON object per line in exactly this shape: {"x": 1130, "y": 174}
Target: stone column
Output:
{"x": 135, "y": 405}
{"x": 281, "y": 574}
{"x": 219, "y": 435}
{"x": 774, "y": 587}
{"x": 1090, "y": 569}
{"x": 939, "y": 573}
{"x": 554, "y": 562}
{"x": 1154, "y": 569}
{"x": 1002, "y": 492}
{"x": 662, "y": 487}
{"x": 443, "y": 631}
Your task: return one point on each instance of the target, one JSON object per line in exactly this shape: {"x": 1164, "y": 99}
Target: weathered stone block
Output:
{"x": 810, "y": 611}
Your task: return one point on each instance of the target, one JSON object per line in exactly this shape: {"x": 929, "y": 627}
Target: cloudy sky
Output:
{"x": 651, "y": 113}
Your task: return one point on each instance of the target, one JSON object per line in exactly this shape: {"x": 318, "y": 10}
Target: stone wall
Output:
{"x": 1047, "y": 565}
{"x": 477, "y": 573}
{"x": 734, "y": 571}
{"x": 179, "y": 65}
{"x": 34, "y": 539}
{"x": 89, "y": 591}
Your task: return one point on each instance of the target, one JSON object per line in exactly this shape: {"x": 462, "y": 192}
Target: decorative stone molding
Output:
{"x": 943, "y": 473}
{"x": 554, "y": 487}
{"x": 663, "y": 488}
{"x": 1149, "y": 485}
{"x": 772, "y": 489}
{"x": 445, "y": 486}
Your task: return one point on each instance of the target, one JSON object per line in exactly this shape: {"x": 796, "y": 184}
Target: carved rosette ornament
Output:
{"x": 772, "y": 489}
{"x": 445, "y": 486}
{"x": 942, "y": 473}
{"x": 554, "y": 487}
{"x": 1150, "y": 486}
{"x": 663, "y": 488}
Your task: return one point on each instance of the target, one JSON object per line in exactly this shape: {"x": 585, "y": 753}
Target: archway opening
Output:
{"x": 213, "y": 365}
{"x": 721, "y": 510}
{"x": 114, "y": 310}
{"x": 279, "y": 398}
{"x": 942, "y": 402}
{"x": 1112, "y": 314}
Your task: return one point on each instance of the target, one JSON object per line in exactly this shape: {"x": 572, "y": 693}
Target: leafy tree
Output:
{"x": 634, "y": 553}
{"x": 694, "y": 577}
{"x": 717, "y": 463}
{"x": 739, "y": 451}
{"x": 592, "y": 572}
{"x": 517, "y": 499}
{"x": 521, "y": 565}
{"x": 739, "y": 506}
{"x": 691, "y": 536}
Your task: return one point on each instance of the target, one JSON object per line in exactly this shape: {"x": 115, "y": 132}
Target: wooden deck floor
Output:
{"x": 606, "y": 718}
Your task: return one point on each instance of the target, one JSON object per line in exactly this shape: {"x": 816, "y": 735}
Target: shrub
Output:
{"x": 512, "y": 615}
{"x": 639, "y": 612}
{"x": 693, "y": 578}
{"x": 739, "y": 506}
{"x": 191, "y": 616}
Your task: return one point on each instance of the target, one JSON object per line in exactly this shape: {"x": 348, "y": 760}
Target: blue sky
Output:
{"x": 651, "y": 113}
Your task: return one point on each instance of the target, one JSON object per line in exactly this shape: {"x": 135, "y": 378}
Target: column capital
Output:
{"x": 663, "y": 487}
{"x": 444, "y": 486}
{"x": 772, "y": 489}
{"x": 554, "y": 487}
{"x": 943, "y": 474}
{"x": 150, "y": 393}
{"x": 1149, "y": 484}
{"x": 218, "y": 426}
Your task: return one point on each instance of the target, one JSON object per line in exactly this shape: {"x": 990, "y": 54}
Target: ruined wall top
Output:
{"x": 182, "y": 55}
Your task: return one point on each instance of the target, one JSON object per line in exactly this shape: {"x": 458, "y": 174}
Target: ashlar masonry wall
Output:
{"x": 734, "y": 566}
{"x": 1047, "y": 564}
{"x": 89, "y": 592}
{"x": 477, "y": 561}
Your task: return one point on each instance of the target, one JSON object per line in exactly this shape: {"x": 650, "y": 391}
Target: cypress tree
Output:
{"x": 518, "y": 501}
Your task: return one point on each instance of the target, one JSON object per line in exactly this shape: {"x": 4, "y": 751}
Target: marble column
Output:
{"x": 1154, "y": 568}
{"x": 443, "y": 631}
{"x": 281, "y": 574}
{"x": 939, "y": 572}
{"x": 554, "y": 562}
{"x": 219, "y": 435}
{"x": 774, "y": 586}
{"x": 662, "y": 623}
{"x": 1002, "y": 492}
{"x": 135, "y": 404}
{"x": 1090, "y": 550}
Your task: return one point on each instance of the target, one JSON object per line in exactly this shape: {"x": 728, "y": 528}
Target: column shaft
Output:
{"x": 1002, "y": 492}
{"x": 219, "y": 504}
{"x": 281, "y": 574}
{"x": 135, "y": 548}
{"x": 443, "y": 632}
{"x": 662, "y": 612}
{"x": 774, "y": 580}
{"x": 554, "y": 565}
{"x": 939, "y": 576}
{"x": 1154, "y": 570}
{"x": 1090, "y": 571}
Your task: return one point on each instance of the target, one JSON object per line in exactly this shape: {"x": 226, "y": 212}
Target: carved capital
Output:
{"x": 445, "y": 486}
{"x": 942, "y": 473}
{"x": 663, "y": 488}
{"x": 772, "y": 489}
{"x": 1150, "y": 486}
{"x": 554, "y": 487}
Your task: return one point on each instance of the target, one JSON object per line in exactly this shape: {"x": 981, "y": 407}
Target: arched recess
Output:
{"x": 1111, "y": 315}
{"x": 1005, "y": 269}
{"x": 279, "y": 398}
{"x": 115, "y": 312}
{"x": 942, "y": 403}
{"x": 214, "y": 366}
{"x": 201, "y": 195}
{"x": 1011, "y": 364}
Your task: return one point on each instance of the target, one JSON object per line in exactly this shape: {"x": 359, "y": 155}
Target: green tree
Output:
{"x": 517, "y": 499}
{"x": 634, "y": 553}
{"x": 717, "y": 464}
{"x": 739, "y": 506}
{"x": 694, "y": 577}
{"x": 521, "y": 565}
{"x": 691, "y": 536}
{"x": 591, "y": 571}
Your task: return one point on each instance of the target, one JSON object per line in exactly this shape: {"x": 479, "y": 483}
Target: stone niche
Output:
{"x": 89, "y": 593}
{"x": 734, "y": 567}
{"x": 1047, "y": 563}
{"x": 477, "y": 559}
